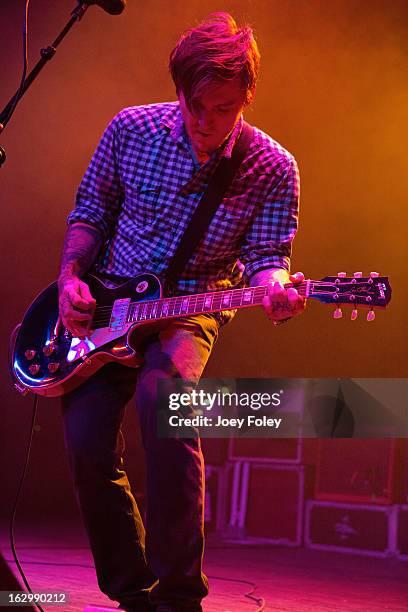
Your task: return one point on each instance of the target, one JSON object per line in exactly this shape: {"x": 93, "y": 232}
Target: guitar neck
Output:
{"x": 200, "y": 303}
{"x": 373, "y": 291}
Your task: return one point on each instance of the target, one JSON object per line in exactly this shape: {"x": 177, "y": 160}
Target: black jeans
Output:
{"x": 164, "y": 562}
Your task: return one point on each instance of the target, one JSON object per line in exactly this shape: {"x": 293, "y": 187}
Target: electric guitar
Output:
{"x": 48, "y": 360}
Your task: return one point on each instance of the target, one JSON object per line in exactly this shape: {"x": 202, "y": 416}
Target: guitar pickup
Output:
{"x": 119, "y": 314}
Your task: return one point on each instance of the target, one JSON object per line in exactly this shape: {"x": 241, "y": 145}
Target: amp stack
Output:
{"x": 360, "y": 499}
{"x": 343, "y": 494}
{"x": 257, "y": 486}
{"x": 270, "y": 484}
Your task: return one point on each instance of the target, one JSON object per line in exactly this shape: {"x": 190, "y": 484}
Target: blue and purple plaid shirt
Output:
{"x": 144, "y": 183}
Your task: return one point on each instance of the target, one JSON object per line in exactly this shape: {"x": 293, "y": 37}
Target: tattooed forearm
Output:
{"x": 81, "y": 246}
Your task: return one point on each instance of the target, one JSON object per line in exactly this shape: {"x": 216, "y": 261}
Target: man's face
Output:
{"x": 212, "y": 115}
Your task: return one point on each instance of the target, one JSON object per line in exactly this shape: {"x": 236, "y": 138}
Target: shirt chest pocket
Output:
{"x": 142, "y": 201}
{"x": 227, "y": 229}
{"x": 235, "y": 211}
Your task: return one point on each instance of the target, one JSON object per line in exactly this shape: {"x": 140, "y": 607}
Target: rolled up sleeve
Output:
{"x": 268, "y": 242}
{"x": 99, "y": 195}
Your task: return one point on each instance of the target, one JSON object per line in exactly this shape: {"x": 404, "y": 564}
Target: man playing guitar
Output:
{"x": 133, "y": 206}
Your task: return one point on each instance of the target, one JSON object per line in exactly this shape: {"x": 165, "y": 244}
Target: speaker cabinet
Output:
{"x": 355, "y": 528}
{"x": 354, "y": 470}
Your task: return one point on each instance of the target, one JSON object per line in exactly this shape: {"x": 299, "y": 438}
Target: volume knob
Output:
{"x": 34, "y": 368}
{"x": 30, "y": 354}
{"x": 53, "y": 366}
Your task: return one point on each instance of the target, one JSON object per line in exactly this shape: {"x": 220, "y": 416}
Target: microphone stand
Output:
{"x": 46, "y": 55}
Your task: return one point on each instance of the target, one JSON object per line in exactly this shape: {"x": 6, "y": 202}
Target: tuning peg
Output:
{"x": 371, "y": 315}
{"x": 358, "y": 274}
{"x": 374, "y": 274}
{"x": 337, "y": 314}
{"x": 342, "y": 274}
{"x": 354, "y": 314}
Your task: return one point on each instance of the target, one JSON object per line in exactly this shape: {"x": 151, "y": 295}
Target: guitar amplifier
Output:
{"x": 354, "y": 528}
{"x": 267, "y": 503}
{"x": 286, "y": 446}
{"x": 402, "y": 532}
{"x": 270, "y": 450}
{"x": 354, "y": 470}
{"x": 274, "y": 450}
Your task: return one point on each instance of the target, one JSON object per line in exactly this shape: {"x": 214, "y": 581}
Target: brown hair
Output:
{"x": 215, "y": 50}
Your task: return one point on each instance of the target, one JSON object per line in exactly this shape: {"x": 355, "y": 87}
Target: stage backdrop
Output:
{"x": 333, "y": 90}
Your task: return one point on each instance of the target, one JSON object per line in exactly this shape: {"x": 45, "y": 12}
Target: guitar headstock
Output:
{"x": 371, "y": 292}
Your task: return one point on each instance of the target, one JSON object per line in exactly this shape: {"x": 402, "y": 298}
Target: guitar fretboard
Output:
{"x": 187, "y": 305}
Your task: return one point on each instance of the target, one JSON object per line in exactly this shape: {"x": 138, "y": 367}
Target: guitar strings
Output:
{"x": 177, "y": 301}
{"x": 199, "y": 295}
{"x": 300, "y": 287}
{"x": 103, "y": 313}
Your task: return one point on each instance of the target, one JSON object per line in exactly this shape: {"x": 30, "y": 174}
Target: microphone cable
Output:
{"x": 17, "y": 499}
{"x": 23, "y": 475}
{"x": 260, "y": 601}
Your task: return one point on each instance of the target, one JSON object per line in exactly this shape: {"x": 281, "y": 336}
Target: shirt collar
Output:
{"x": 173, "y": 120}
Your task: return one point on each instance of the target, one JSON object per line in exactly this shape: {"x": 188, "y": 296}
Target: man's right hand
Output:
{"x": 76, "y": 305}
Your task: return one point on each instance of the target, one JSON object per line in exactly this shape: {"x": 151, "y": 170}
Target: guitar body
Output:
{"x": 71, "y": 360}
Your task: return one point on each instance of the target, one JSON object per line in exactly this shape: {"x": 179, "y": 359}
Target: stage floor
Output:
{"x": 55, "y": 557}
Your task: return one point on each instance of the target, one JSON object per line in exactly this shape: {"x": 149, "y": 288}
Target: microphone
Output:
{"x": 113, "y": 7}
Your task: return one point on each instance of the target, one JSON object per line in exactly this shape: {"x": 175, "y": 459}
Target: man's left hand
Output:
{"x": 282, "y": 304}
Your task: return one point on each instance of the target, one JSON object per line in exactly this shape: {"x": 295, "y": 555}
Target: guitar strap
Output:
{"x": 207, "y": 206}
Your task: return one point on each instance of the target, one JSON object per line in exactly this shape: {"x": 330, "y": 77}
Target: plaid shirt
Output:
{"x": 144, "y": 183}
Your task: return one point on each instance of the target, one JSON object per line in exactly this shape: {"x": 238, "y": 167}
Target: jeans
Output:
{"x": 162, "y": 561}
